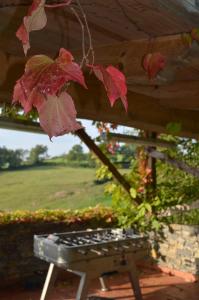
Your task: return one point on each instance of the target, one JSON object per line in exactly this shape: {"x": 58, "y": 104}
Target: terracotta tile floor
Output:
{"x": 154, "y": 285}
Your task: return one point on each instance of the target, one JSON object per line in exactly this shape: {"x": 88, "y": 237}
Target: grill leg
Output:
{"x": 133, "y": 276}
{"x": 104, "y": 288}
{"x": 50, "y": 280}
{"x": 82, "y": 293}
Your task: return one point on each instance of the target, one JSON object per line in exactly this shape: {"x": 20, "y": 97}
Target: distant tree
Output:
{"x": 11, "y": 158}
{"x": 38, "y": 154}
{"x": 15, "y": 158}
{"x": 91, "y": 160}
{"x": 127, "y": 151}
{"x": 76, "y": 153}
{"x": 4, "y": 156}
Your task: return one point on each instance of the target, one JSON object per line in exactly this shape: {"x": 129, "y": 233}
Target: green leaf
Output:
{"x": 141, "y": 212}
{"x": 133, "y": 193}
{"x": 174, "y": 128}
{"x": 155, "y": 224}
{"x": 148, "y": 207}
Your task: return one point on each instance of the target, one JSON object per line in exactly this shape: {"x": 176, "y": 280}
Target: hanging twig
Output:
{"x": 83, "y": 36}
{"x": 90, "y": 50}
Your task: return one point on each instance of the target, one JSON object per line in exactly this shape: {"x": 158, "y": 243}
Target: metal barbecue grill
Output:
{"x": 91, "y": 254}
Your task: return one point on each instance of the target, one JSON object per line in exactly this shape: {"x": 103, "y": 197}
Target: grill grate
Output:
{"x": 98, "y": 238}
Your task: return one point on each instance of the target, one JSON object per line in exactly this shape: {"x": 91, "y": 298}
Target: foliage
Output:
{"x": 37, "y": 154}
{"x": 143, "y": 216}
{"x": 173, "y": 128}
{"x": 185, "y": 218}
{"x": 173, "y": 187}
{"x": 98, "y": 214}
{"x": 189, "y": 38}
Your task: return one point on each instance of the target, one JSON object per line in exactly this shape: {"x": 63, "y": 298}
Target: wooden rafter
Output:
{"x": 152, "y": 104}
{"x": 174, "y": 162}
{"x": 130, "y": 139}
{"x": 20, "y": 125}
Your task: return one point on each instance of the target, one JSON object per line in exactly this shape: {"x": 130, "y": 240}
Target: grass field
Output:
{"x": 50, "y": 187}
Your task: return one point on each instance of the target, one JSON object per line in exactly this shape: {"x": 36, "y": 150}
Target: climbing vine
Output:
{"x": 44, "y": 84}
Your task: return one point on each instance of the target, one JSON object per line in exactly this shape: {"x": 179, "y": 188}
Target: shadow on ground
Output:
{"x": 154, "y": 285}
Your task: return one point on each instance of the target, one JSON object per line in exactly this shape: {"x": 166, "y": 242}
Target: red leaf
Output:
{"x": 57, "y": 115}
{"x": 153, "y": 63}
{"x": 114, "y": 82}
{"x": 72, "y": 70}
{"x": 43, "y": 77}
{"x": 35, "y": 20}
{"x": 35, "y": 98}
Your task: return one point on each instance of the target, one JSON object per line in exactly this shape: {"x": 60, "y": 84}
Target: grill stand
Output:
{"x": 92, "y": 269}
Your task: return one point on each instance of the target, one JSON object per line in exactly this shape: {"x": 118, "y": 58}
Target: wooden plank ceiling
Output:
{"x": 123, "y": 31}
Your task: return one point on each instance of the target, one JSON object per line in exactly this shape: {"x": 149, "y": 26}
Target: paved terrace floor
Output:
{"x": 154, "y": 285}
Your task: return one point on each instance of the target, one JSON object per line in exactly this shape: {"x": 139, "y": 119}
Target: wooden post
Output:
{"x": 104, "y": 159}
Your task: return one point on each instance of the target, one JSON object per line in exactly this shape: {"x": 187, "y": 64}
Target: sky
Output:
{"x": 12, "y": 139}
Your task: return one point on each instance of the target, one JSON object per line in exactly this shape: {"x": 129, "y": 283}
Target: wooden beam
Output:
{"x": 174, "y": 162}
{"x": 104, "y": 159}
{"x": 144, "y": 112}
{"x": 130, "y": 139}
{"x": 128, "y": 57}
{"x": 147, "y": 113}
{"x": 20, "y": 125}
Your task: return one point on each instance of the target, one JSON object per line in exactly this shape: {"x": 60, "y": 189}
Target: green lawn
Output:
{"x": 50, "y": 187}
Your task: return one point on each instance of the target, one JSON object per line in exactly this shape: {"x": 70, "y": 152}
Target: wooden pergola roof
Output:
{"x": 123, "y": 31}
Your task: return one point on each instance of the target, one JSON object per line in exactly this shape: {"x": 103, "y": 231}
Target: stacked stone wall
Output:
{"x": 179, "y": 248}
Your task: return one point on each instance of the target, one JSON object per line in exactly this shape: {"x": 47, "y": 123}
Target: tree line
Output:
{"x": 12, "y": 159}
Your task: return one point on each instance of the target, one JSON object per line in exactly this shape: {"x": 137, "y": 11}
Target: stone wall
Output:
{"x": 179, "y": 248}
{"x": 17, "y": 261}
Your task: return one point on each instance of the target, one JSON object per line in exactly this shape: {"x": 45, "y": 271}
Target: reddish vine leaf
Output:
{"x": 44, "y": 76}
{"x": 72, "y": 71}
{"x": 153, "y": 63}
{"x": 35, "y": 20}
{"x": 42, "y": 82}
{"x": 26, "y": 97}
{"x": 57, "y": 115}
{"x": 114, "y": 82}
